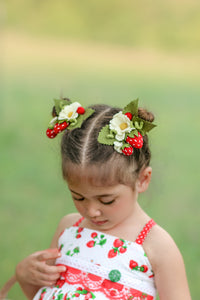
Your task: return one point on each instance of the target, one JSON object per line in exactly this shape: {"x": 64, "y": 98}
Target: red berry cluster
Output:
{"x": 81, "y": 291}
{"x": 78, "y": 231}
{"x": 59, "y": 127}
{"x": 119, "y": 247}
{"x": 135, "y": 142}
{"x": 96, "y": 240}
{"x": 133, "y": 265}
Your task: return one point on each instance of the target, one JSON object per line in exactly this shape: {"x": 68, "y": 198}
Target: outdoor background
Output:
{"x": 97, "y": 52}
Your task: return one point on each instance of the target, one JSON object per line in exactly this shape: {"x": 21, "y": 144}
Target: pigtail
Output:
{"x": 145, "y": 115}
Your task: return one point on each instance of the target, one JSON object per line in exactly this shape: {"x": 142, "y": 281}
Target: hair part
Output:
{"x": 84, "y": 157}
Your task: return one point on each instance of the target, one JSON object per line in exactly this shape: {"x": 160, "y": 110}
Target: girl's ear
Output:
{"x": 144, "y": 179}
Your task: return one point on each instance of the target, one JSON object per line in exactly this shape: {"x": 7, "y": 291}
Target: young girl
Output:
{"x": 110, "y": 249}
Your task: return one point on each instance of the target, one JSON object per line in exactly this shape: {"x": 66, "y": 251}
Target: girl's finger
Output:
{"x": 48, "y": 254}
{"x": 44, "y": 268}
{"x": 46, "y": 277}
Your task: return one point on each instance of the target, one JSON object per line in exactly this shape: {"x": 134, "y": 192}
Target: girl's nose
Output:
{"x": 93, "y": 210}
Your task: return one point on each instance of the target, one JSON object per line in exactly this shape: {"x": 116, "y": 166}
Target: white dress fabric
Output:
{"x": 101, "y": 266}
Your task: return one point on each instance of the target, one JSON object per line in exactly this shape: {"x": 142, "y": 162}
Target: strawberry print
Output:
{"x": 74, "y": 251}
{"x": 136, "y": 141}
{"x": 78, "y": 231}
{"x": 59, "y": 296}
{"x": 60, "y": 283}
{"x": 90, "y": 244}
{"x": 112, "y": 253}
{"x": 42, "y": 294}
{"x": 133, "y": 265}
{"x": 80, "y": 291}
{"x": 119, "y": 247}
{"x": 122, "y": 250}
{"x": 93, "y": 235}
{"x": 60, "y": 248}
{"x": 118, "y": 242}
{"x": 96, "y": 240}
{"x": 108, "y": 281}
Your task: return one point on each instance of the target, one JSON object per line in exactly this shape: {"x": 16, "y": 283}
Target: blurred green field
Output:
{"x": 172, "y": 24}
{"x": 33, "y": 194}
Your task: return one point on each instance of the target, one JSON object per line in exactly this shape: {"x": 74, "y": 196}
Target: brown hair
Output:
{"x": 83, "y": 155}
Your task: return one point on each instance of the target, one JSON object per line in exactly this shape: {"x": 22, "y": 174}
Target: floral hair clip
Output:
{"x": 69, "y": 115}
{"x": 125, "y": 130}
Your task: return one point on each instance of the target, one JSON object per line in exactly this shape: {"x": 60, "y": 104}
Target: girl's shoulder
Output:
{"x": 68, "y": 220}
{"x": 65, "y": 222}
{"x": 161, "y": 249}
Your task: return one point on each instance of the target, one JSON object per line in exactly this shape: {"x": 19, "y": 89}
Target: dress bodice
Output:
{"x": 101, "y": 266}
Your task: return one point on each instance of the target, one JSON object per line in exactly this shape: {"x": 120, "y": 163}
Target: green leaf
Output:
{"x": 76, "y": 250}
{"x": 104, "y": 138}
{"x": 59, "y": 104}
{"x": 102, "y": 242}
{"x": 132, "y": 107}
{"x": 148, "y": 126}
{"x": 132, "y": 133}
{"x": 125, "y": 145}
{"x": 81, "y": 118}
{"x": 60, "y": 297}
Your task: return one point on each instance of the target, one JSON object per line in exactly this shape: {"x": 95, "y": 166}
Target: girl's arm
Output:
{"x": 167, "y": 262}
{"x": 38, "y": 269}
{"x": 34, "y": 271}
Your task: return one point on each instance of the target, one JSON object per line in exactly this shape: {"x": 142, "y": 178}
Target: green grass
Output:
{"x": 33, "y": 194}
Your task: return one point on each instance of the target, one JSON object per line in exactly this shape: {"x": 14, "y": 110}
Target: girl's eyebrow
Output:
{"x": 104, "y": 195}
{"x": 97, "y": 196}
{"x": 75, "y": 193}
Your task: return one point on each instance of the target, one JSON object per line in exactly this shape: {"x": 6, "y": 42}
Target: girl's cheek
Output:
{"x": 79, "y": 207}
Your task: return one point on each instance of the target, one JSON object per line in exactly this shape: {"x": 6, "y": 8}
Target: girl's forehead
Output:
{"x": 90, "y": 176}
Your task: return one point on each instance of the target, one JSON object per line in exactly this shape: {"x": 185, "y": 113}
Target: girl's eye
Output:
{"x": 78, "y": 199}
{"x": 107, "y": 203}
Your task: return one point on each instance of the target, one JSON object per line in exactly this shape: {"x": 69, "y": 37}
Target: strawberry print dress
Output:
{"x": 101, "y": 266}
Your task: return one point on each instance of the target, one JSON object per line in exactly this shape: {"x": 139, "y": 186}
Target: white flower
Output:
{"x": 69, "y": 112}
{"x": 118, "y": 146}
{"x": 121, "y": 124}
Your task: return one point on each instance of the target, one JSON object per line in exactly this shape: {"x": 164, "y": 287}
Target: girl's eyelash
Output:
{"x": 78, "y": 199}
{"x": 107, "y": 203}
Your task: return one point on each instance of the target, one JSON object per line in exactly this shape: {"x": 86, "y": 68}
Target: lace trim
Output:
{"x": 144, "y": 286}
{"x": 89, "y": 283}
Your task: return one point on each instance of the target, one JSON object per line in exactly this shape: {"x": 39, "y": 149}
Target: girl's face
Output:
{"x": 103, "y": 207}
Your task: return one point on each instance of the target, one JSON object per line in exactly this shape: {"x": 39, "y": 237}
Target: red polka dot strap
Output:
{"x": 78, "y": 222}
{"x": 141, "y": 237}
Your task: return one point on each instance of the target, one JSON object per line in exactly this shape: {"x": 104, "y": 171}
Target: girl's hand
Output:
{"x": 36, "y": 271}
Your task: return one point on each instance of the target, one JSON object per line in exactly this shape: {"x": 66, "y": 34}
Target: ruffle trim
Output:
{"x": 77, "y": 284}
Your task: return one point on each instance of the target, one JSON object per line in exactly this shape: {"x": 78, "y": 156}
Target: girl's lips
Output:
{"x": 99, "y": 222}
